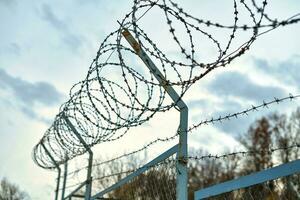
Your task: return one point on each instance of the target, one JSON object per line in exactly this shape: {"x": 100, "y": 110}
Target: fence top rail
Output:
{"x": 141, "y": 170}
{"x": 249, "y": 180}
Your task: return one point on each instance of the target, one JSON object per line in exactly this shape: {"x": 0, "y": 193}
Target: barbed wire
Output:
{"x": 245, "y": 153}
{"x": 95, "y": 107}
{"x": 265, "y": 104}
{"x": 213, "y": 120}
{"x": 209, "y": 156}
{"x": 169, "y": 161}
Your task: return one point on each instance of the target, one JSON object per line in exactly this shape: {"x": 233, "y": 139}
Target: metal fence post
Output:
{"x": 88, "y": 189}
{"x": 65, "y": 180}
{"x": 182, "y": 175}
{"x": 58, "y": 170}
{"x": 89, "y": 177}
{"x": 182, "y": 172}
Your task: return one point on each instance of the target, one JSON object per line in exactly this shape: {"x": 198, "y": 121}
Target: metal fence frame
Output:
{"x": 181, "y": 149}
{"x": 141, "y": 170}
{"x": 249, "y": 180}
{"x": 181, "y": 164}
{"x": 58, "y": 170}
{"x": 88, "y": 182}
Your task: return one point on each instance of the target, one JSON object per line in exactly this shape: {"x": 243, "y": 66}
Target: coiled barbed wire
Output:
{"x": 116, "y": 96}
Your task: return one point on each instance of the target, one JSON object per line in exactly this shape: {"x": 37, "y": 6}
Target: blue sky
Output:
{"x": 47, "y": 46}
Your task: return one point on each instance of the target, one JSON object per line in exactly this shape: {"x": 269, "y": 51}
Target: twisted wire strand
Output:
{"x": 116, "y": 96}
{"x": 270, "y": 151}
{"x": 219, "y": 119}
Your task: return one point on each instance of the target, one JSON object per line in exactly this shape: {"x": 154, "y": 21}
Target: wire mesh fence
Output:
{"x": 286, "y": 188}
{"x": 157, "y": 182}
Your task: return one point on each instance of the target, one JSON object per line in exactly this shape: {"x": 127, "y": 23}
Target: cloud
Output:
{"x": 29, "y": 94}
{"x": 91, "y": 2}
{"x": 215, "y": 109}
{"x": 234, "y": 126}
{"x": 71, "y": 40}
{"x": 52, "y": 19}
{"x": 199, "y": 103}
{"x": 236, "y": 91}
{"x": 10, "y": 49}
{"x": 241, "y": 86}
{"x": 287, "y": 71}
{"x": 14, "y": 48}
{"x": 32, "y": 114}
{"x": 8, "y": 2}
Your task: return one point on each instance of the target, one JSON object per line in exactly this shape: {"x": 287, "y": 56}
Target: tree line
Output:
{"x": 10, "y": 191}
{"x": 266, "y": 133}
{"x": 159, "y": 183}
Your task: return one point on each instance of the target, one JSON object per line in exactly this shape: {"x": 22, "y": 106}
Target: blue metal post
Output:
{"x": 64, "y": 180}
{"x": 88, "y": 189}
{"x": 58, "y": 170}
{"x": 279, "y": 171}
{"x": 182, "y": 175}
{"x": 57, "y": 184}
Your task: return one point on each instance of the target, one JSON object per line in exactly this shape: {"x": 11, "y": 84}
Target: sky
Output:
{"x": 47, "y": 46}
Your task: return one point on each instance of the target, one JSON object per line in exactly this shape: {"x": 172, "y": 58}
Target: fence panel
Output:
{"x": 134, "y": 178}
{"x": 277, "y": 172}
